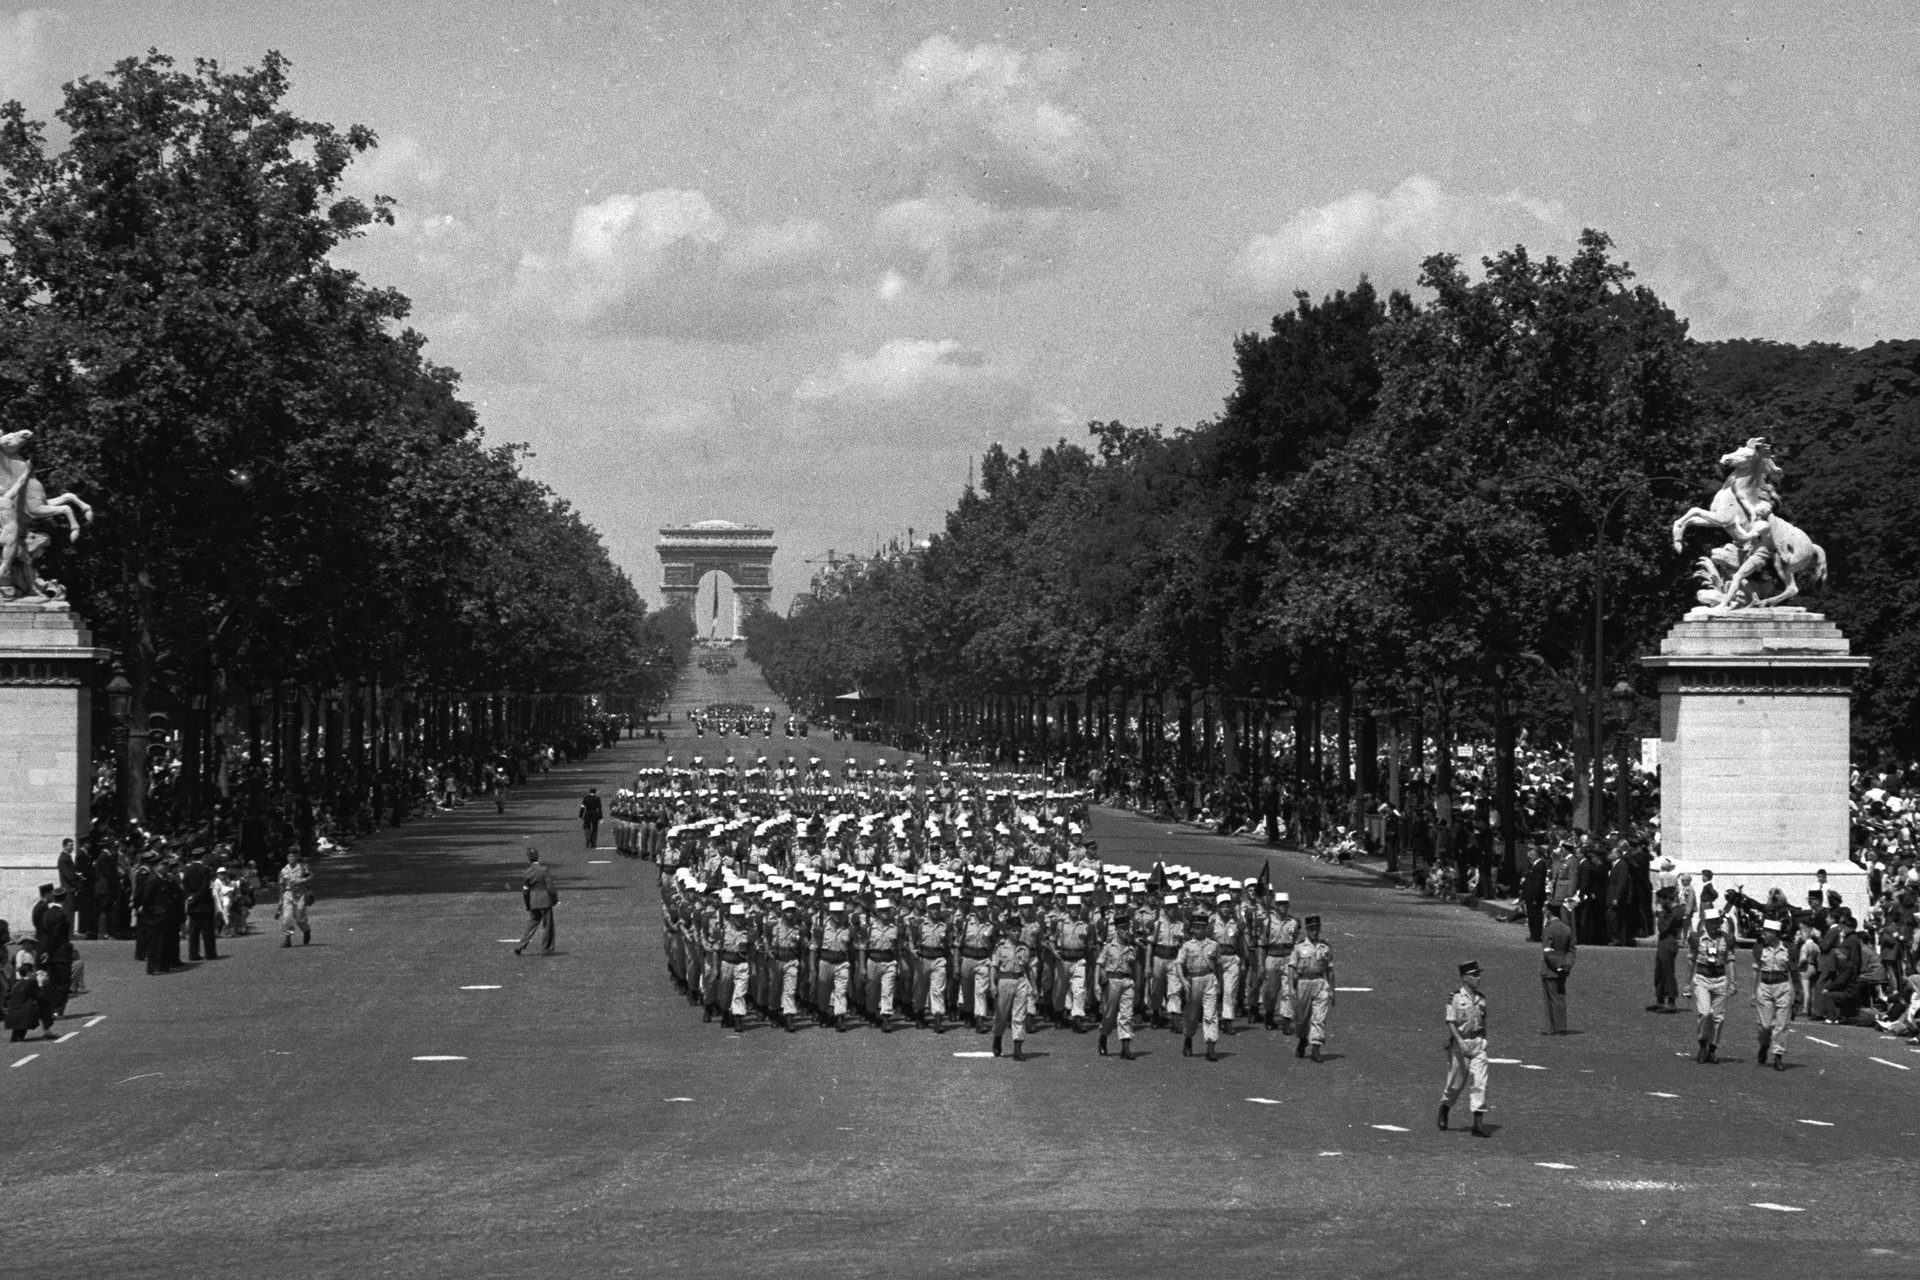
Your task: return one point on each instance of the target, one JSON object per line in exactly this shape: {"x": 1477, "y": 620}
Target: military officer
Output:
{"x": 932, "y": 938}
{"x": 1117, "y": 969}
{"x": 1071, "y": 936}
{"x": 730, "y": 965}
{"x": 881, "y": 938}
{"x": 974, "y": 940}
{"x": 1197, "y": 966}
{"x": 1773, "y": 992}
{"x": 1711, "y": 951}
{"x": 1467, "y": 1048}
{"x": 1310, "y": 970}
{"x": 1164, "y": 991}
{"x": 783, "y": 953}
{"x": 1007, "y": 967}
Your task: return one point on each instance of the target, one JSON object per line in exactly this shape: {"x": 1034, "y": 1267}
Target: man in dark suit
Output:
{"x": 196, "y": 883}
{"x": 1533, "y": 893}
{"x": 590, "y": 816}
{"x": 53, "y": 933}
{"x": 539, "y": 895}
{"x": 1622, "y": 915}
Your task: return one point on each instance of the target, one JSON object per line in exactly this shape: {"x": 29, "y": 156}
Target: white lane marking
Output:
{"x": 1531, "y": 1066}
{"x": 1504, "y": 1062}
{"x": 1632, "y": 1184}
{"x": 484, "y": 986}
{"x": 1897, "y": 1066}
{"x": 438, "y": 1057}
{"x": 1654, "y": 1094}
{"x": 142, "y": 1076}
{"x": 95, "y": 1020}
{"x": 1824, "y": 1124}
{"x": 506, "y": 939}
{"x": 1266, "y": 1102}
{"x": 1332, "y": 1153}
{"x": 1392, "y": 1128}
{"x": 63, "y": 1039}
{"x": 676, "y": 1099}
{"x": 598, "y": 862}
{"x": 24, "y": 1061}
{"x": 1553, "y": 1164}
{"x": 1353, "y": 988}
{"x": 974, "y": 1053}
{"x": 1817, "y": 1040}
{"x": 1777, "y": 1208}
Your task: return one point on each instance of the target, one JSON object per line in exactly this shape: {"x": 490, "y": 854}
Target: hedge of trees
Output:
{"x": 1389, "y": 537}
{"x": 293, "y": 506}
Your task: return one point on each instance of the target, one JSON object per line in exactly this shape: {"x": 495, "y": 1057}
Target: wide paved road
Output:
{"x": 406, "y": 1097}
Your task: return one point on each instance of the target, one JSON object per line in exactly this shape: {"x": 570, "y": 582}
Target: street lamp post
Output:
{"x": 120, "y": 708}
{"x": 1623, "y": 699}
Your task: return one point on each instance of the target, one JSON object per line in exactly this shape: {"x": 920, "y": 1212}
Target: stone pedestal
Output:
{"x": 47, "y": 663}
{"x": 1754, "y": 760}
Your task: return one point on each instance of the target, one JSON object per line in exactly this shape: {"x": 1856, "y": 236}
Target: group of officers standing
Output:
{"x": 1175, "y": 949}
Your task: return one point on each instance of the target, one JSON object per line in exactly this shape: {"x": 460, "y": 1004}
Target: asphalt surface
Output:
{"x": 288, "y": 1111}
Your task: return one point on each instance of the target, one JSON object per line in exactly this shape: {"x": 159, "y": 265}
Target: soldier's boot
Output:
{"x": 886, "y": 1024}
{"x": 706, "y": 1014}
{"x": 1479, "y": 1130}
{"x": 1103, "y": 1046}
{"x": 1444, "y": 1109}
{"x": 996, "y": 1046}
{"x": 306, "y": 935}
{"x": 1126, "y": 1051}
{"x": 840, "y": 1023}
{"x": 1766, "y": 1047}
{"x": 1713, "y": 1052}
{"x": 1779, "y": 1060}
{"x": 1186, "y": 1047}
{"x": 1019, "y": 1054}
{"x": 1211, "y": 1055}
{"x": 1701, "y": 1054}
{"x": 286, "y": 940}
{"x": 1270, "y": 1022}
{"x": 1286, "y": 1026}
{"x": 1226, "y": 1026}
{"x": 1316, "y": 1052}
{"x": 1300, "y": 1047}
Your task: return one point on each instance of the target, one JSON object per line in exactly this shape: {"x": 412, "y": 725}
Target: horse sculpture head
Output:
{"x": 1754, "y": 459}
{"x": 13, "y": 442}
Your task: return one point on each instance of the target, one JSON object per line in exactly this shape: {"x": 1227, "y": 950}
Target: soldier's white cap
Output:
{"x": 836, "y": 905}
{"x": 737, "y": 909}
{"x": 1283, "y": 897}
{"x": 1025, "y": 900}
{"x": 1711, "y": 913}
{"x": 788, "y": 904}
{"x": 933, "y": 900}
{"x": 882, "y": 904}
{"x": 1119, "y": 899}
{"x": 1171, "y": 899}
{"x": 979, "y": 901}
{"x": 1223, "y": 897}
{"x": 1774, "y": 925}
{"x": 1073, "y": 899}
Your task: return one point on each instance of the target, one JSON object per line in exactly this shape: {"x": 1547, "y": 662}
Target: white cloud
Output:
{"x": 933, "y": 395}
{"x": 667, "y": 263}
{"x": 1386, "y": 236}
{"x": 983, "y": 117}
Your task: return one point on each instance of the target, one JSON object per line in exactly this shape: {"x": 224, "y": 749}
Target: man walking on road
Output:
{"x": 539, "y": 896}
{"x": 590, "y": 817}
{"x": 295, "y": 898}
{"x": 1467, "y": 1048}
{"x": 1310, "y": 967}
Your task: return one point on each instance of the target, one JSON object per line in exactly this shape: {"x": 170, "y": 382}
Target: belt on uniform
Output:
{"x": 1771, "y": 976}
{"x": 1015, "y": 976}
{"x": 976, "y": 953}
{"x": 733, "y": 957}
{"x": 1073, "y": 955}
{"x": 834, "y": 957}
{"x": 1311, "y": 977}
{"x": 785, "y": 955}
{"x": 1711, "y": 971}
{"x": 1199, "y": 973}
{"x": 1119, "y": 975}
{"x": 1165, "y": 953}
{"x": 880, "y": 955}
{"x": 932, "y": 955}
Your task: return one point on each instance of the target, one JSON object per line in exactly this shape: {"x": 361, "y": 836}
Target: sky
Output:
{"x": 797, "y": 265}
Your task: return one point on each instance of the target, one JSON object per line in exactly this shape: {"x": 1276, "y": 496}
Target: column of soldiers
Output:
{"x": 1074, "y": 948}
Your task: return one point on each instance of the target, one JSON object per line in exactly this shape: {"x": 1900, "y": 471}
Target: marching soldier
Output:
{"x": 1071, "y": 935}
{"x": 832, "y": 974}
{"x": 1310, "y": 971}
{"x": 1118, "y": 968}
{"x": 881, "y": 938}
{"x": 1225, "y": 930}
{"x": 1166, "y": 935}
{"x": 783, "y": 952}
{"x": 1008, "y": 970}
{"x": 730, "y": 965}
{"x": 1278, "y": 932}
{"x": 1711, "y": 951}
{"x": 1467, "y": 1048}
{"x": 932, "y": 941}
{"x": 1197, "y": 966}
{"x": 975, "y": 942}
{"x": 1772, "y": 992}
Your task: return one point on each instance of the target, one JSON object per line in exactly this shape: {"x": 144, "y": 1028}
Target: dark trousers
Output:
{"x": 89, "y": 915}
{"x": 147, "y": 945}
{"x": 1620, "y": 923}
{"x": 200, "y": 935}
{"x": 592, "y": 828}
{"x": 1536, "y": 918}
{"x": 1555, "y": 987}
{"x": 1666, "y": 987}
{"x": 538, "y": 918}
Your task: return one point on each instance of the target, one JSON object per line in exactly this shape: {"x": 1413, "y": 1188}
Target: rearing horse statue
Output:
{"x": 1757, "y": 539}
{"x": 22, "y": 501}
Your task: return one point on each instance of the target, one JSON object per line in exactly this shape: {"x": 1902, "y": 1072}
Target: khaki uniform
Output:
{"x": 1712, "y": 980}
{"x": 1773, "y": 996}
{"x": 1115, "y": 969}
{"x": 1467, "y": 1060}
{"x": 1013, "y": 993}
{"x": 1197, "y": 964}
{"x": 1310, "y": 969}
